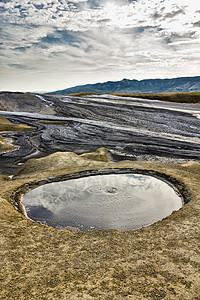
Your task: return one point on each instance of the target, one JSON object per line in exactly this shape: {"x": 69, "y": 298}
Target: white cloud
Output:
{"x": 120, "y": 14}
{"x": 109, "y": 39}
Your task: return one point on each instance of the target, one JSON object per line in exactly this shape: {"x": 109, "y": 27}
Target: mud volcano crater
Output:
{"x": 106, "y": 199}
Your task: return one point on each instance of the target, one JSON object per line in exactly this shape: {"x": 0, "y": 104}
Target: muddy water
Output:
{"x": 116, "y": 201}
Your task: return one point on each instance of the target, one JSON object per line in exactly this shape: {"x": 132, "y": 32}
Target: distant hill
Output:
{"x": 181, "y": 84}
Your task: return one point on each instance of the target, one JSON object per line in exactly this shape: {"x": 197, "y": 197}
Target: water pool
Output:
{"x": 114, "y": 201}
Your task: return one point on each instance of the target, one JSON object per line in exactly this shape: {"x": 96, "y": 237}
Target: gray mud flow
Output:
{"x": 130, "y": 128}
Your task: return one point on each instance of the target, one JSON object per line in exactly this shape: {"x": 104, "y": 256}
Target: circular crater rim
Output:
{"x": 179, "y": 187}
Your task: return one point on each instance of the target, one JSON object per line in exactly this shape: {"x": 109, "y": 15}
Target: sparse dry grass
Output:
{"x": 171, "y": 97}
{"x": 54, "y": 122}
{"x": 6, "y": 125}
{"x": 84, "y": 94}
{"x": 160, "y": 261}
{"x": 2, "y": 107}
{"x": 4, "y": 146}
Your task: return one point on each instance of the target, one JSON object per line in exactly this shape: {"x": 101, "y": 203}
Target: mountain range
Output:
{"x": 180, "y": 84}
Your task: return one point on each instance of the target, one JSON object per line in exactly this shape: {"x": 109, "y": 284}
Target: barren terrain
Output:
{"x": 160, "y": 261}
{"x": 129, "y": 128}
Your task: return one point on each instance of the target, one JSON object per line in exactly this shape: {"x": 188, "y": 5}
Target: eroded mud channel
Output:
{"x": 129, "y": 128}
{"x": 111, "y": 201}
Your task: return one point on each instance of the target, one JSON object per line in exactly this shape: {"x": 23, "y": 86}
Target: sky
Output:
{"x": 47, "y": 45}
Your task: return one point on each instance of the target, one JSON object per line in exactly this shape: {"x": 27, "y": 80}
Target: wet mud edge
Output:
{"x": 179, "y": 187}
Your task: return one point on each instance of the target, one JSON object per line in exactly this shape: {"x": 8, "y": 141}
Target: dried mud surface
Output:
{"x": 160, "y": 261}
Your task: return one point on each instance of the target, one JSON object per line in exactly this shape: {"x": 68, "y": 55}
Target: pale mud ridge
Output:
{"x": 130, "y": 128}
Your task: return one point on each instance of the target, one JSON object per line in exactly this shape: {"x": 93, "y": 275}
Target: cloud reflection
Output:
{"x": 118, "y": 201}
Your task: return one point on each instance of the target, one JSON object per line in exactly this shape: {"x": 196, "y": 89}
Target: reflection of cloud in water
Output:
{"x": 120, "y": 201}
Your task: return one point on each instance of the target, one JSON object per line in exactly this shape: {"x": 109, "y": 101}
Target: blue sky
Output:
{"x": 48, "y": 45}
